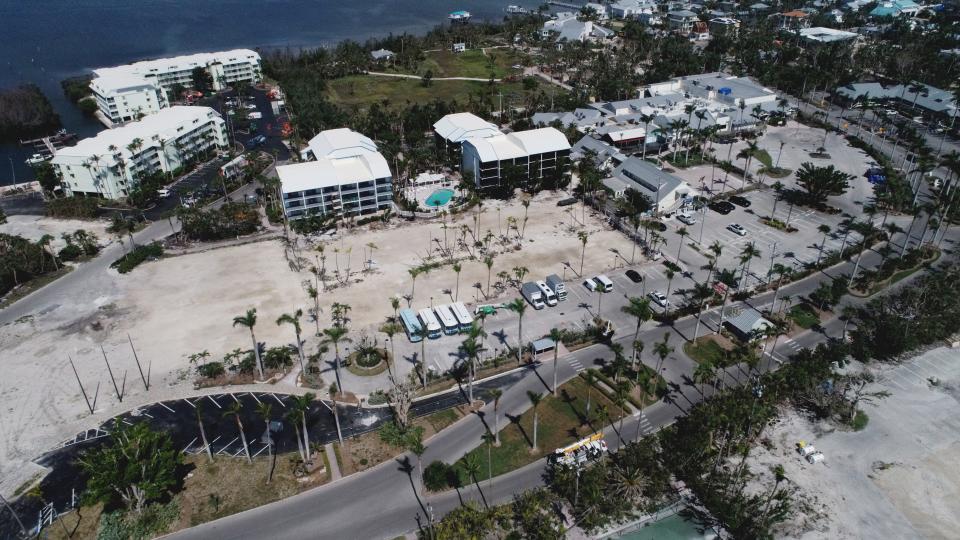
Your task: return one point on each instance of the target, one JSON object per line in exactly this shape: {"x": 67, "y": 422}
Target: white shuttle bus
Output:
{"x": 548, "y": 295}
{"x": 430, "y": 322}
{"x": 449, "y": 322}
{"x": 462, "y": 314}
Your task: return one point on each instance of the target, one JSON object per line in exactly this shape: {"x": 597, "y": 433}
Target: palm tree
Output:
{"x": 662, "y": 349}
{"x": 702, "y": 292}
{"x": 336, "y": 335}
{"x": 496, "y": 394}
{"x": 414, "y": 272}
{"x": 555, "y": 335}
{"x": 234, "y": 410}
{"x": 583, "y": 236}
{"x": 825, "y": 230}
{"x": 302, "y": 403}
{"x": 670, "y": 274}
{"x": 489, "y": 439}
{"x": 535, "y": 401}
{"x": 336, "y": 414}
{"x": 638, "y": 308}
{"x": 457, "y": 268}
{"x": 704, "y": 373}
{"x": 488, "y": 262}
{"x": 391, "y": 329}
{"x": 600, "y": 290}
{"x": 249, "y": 320}
{"x": 747, "y": 155}
{"x": 293, "y": 417}
{"x": 682, "y": 232}
{"x": 471, "y": 466}
{"x": 590, "y": 379}
{"x": 520, "y": 307}
{"x": 470, "y": 349}
{"x": 423, "y": 335}
{"x": 646, "y": 119}
{"x": 294, "y": 320}
{"x": 203, "y": 434}
{"x": 265, "y": 410}
{"x": 747, "y": 254}
{"x": 418, "y": 449}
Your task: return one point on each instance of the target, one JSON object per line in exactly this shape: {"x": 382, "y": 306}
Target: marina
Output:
{"x": 45, "y": 147}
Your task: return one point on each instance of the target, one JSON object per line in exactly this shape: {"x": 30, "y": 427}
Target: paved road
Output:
{"x": 342, "y": 509}
{"x": 418, "y": 77}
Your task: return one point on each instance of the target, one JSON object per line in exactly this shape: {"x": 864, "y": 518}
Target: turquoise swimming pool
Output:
{"x": 674, "y": 527}
{"x": 439, "y": 198}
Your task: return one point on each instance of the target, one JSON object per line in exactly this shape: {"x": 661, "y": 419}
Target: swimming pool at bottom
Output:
{"x": 439, "y": 197}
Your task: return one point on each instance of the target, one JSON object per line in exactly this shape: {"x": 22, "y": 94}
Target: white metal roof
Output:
{"x": 341, "y": 142}
{"x": 119, "y": 82}
{"x": 519, "y": 144}
{"x": 167, "y": 125}
{"x": 458, "y": 127}
{"x": 179, "y": 63}
{"x": 327, "y": 172}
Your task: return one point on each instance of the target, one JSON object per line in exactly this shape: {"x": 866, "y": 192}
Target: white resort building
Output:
{"x": 123, "y": 98}
{"x": 450, "y": 131}
{"x": 135, "y": 89}
{"x": 534, "y": 151}
{"x": 347, "y": 176}
{"x": 109, "y": 165}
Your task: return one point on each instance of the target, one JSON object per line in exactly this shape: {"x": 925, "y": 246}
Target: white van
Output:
{"x": 605, "y": 281}
{"x": 548, "y": 295}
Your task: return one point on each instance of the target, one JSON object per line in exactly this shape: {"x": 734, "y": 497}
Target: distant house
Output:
{"x": 681, "y": 21}
{"x": 663, "y": 189}
{"x": 567, "y": 28}
{"x": 632, "y": 9}
{"x": 724, "y": 26}
{"x": 896, "y": 8}
{"x": 382, "y": 55}
{"x": 605, "y": 156}
{"x": 582, "y": 119}
{"x": 459, "y": 47}
{"x": 700, "y": 31}
{"x": 793, "y": 20}
{"x": 599, "y": 9}
{"x": 748, "y": 325}
{"x": 820, "y": 35}
{"x": 450, "y": 131}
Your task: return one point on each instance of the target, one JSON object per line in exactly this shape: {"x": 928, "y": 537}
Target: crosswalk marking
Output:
{"x": 576, "y": 365}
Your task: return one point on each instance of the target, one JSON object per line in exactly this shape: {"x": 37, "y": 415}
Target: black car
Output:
{"x": 740, "y": 201}
{"x": 567, "y": 202}
{"x": 655, "y": 225}
{"x": 722, "y": 207}
{"x": 634, "y": 276}
{"x": 259, "y": 140}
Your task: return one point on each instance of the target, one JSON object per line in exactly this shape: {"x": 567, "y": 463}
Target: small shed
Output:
{"x": 748, "y": 324}
{"x": 382, "y": 54}
{"x": 459, "y": 47}
{"x": 542, "y": 345}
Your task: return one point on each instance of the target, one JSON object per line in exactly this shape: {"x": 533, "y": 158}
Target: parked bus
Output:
{"x": 411, "y": 325}
{"x": 428, "y": 319}
{"x": 548, "y": 295}
{"x": 449, "y": 322}
{"x": 463, "y": 315}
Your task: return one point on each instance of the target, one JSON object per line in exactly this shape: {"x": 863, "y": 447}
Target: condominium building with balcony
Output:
{"x": 110, "y": 164}
{"x": 347, "y": 176}
{"x": 533, "y": 154}
{"x": 124, "y": 98}
{"x": 125, "y": 92}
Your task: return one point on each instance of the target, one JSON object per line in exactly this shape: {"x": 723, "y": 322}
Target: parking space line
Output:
{"x": 165, "y": 407}
{"x": 190, "y": 402}
{"x": 214, "y": 402}
{"x": 254, "y": 396}
{"x": 187, "y": 447}
{"x": 234, "y": 396}
{"x": 278, "y": 400}
{"x": 918, "y": 375}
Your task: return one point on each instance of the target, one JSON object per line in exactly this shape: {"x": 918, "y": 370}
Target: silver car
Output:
{"x": 737, "y": 229}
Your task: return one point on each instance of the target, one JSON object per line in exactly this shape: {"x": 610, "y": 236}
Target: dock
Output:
{"x": 49, "y": 145}
{"x": 567, "y": 5}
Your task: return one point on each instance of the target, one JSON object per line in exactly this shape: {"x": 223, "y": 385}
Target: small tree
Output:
{"x": 535, "y": 399}
{"x": 138, "y": 466}
{"x": 822, "y": 182}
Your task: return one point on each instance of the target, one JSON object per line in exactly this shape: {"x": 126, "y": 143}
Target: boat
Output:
{"x": 37, "y": 159}
{"x": 516, "y": 10}
{"x": 459, "y": 16}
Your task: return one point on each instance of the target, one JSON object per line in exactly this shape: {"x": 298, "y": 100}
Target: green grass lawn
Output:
{"x": 471, "y": 63}
{"x": 704, "y": 350}
{"x": 561, "y": 422}
{"x": 364, "y": 90}
{"x": 804, "y": 316}
{"x": 764, "y": 157}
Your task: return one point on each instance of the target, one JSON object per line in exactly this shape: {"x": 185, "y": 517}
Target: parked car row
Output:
{"x": 594, "y": 283}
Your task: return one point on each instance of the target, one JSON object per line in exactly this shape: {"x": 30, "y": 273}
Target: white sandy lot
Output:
{"x": 34, "y": 227}
{"x": 185, "y": 304}
{"x": 898, "y": 478}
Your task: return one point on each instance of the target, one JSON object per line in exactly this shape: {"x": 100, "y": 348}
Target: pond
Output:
{"x": 439, "y": 198}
